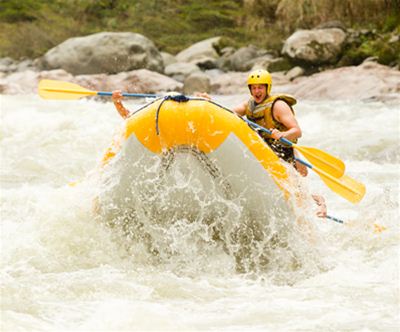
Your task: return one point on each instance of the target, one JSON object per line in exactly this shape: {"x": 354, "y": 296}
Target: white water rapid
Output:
{"x": 63, "y": 269}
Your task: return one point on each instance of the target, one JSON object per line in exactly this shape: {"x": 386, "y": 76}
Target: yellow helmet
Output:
{"x": 260, "y": 76}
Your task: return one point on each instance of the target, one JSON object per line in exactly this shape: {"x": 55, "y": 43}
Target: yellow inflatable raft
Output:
{"x": 203, "y": 140}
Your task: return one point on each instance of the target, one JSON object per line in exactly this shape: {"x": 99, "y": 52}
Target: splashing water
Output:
{"x": 193, "y": 259}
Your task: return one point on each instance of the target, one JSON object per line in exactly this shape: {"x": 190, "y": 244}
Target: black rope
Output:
{"x": 177, "y": 98}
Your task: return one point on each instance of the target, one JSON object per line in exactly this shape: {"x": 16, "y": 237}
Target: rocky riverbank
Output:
{"x": 306, "y": 67}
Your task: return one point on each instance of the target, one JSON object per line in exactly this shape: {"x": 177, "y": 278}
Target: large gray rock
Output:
{"x": 180, "y": 70}
{"x": 229, "y": 83}
{"x": 104, "y": 52}
{"x": 262, "y": 62}
{"x": 168, "y": 59}
{"x": 294, "y": 73}
{"x": 203, "y": 53}
{"x": 272, "y": 64}
{"x": 315, "y": 47}
{"x": 243, "y": 59}
{"x": 196, "y": 82}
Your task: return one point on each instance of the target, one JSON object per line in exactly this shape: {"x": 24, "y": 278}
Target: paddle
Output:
{"x": 318, "y": 158}
{"x": 343, "y": 185}
{"x": 51, "y": 89}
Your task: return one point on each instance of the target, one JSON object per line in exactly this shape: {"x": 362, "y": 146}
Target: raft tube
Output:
{"x": 216, "y": 146}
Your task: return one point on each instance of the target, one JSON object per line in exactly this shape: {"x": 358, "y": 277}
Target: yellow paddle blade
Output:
{"x": 51, "y": 89}
{"x": 322, "y": 160}
{"x": 345, "y": 186}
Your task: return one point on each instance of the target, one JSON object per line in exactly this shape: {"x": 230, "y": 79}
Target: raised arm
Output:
{"x": 240, "y": 109}
{"x": 117, "y": 100}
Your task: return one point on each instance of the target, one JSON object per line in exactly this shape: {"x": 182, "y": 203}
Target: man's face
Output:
{"x": 259, "y": 92}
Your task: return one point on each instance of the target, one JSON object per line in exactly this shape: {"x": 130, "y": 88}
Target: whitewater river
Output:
{"x": 62, "y": 269}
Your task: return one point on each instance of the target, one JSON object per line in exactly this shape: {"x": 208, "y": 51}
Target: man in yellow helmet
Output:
{"x": 276, "y": 114}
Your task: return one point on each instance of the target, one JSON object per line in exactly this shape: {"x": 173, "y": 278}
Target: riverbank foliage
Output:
{"x": 31, "y": 27}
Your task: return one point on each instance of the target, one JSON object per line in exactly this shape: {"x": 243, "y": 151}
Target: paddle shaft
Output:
{"x": 137, "y": 95}
{"x": 253, "y": 124}
{"x": 335, "y": 219}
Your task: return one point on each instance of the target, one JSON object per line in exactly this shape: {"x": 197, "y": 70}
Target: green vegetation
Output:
{"x": 384, "y": 47}
{"x": 29, "y": 28}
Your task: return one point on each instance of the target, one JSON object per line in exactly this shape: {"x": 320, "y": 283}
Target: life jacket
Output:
{"x": 262, "y": 115}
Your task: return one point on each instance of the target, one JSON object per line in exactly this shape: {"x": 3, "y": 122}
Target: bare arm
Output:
{"x": 240, "y": 109}
{"x": 117, "y": 100}
{"x": 283, "y": 113}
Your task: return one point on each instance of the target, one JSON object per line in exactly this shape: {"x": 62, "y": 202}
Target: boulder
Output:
{"x": 243, "y": 59}
{"x": 168, "y": 59}
{"x": 271, "y": 64}
{"x": 315, "y": 47}
{"x": 180, "y": 70}
{"x": 196, "y": 82}
{"x": 202, "y": 54}
{"x": 104, "y": 52}
{"x": 227, "y": 51}
{"x": 262, "y": 62}
{"x": 206, "y": 62}
{"x": 294, "y": 73}
{"x": 212, "y": 73}
{"x": 229, "y": 83}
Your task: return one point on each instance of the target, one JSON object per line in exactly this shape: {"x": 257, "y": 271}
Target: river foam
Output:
{"x": 64, "y": 269}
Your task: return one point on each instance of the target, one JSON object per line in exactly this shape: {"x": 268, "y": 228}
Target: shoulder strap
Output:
{"x": 288, "y": 99}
